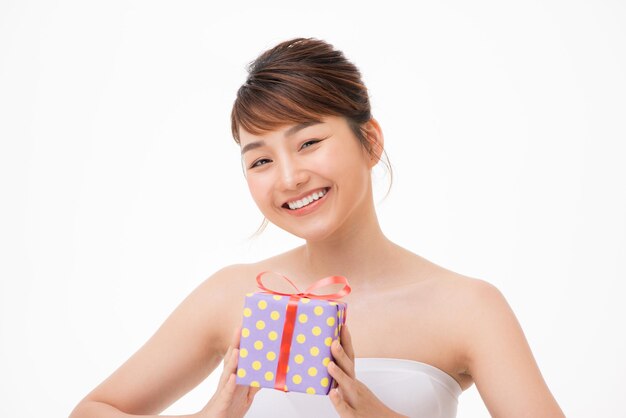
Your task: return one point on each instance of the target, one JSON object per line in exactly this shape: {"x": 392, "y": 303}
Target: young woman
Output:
{"x": 417, "y": 334}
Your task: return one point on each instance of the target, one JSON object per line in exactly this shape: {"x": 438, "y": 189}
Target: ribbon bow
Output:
{"x": 308, "y": 293}
{"x": 290, "y": 315}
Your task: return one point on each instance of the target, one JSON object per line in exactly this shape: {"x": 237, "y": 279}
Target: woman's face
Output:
{"x": 308, "y": 179}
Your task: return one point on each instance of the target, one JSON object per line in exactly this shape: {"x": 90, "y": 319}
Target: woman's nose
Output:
{"x": 292, "y": 175}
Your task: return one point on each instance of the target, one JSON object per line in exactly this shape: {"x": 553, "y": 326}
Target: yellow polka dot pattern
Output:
{"x": 316, "y": 325}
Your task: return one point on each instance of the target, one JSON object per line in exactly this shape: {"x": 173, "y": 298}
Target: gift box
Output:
{"x": 286, "y": 337}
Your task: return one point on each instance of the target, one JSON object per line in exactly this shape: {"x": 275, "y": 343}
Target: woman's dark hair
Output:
{"x": 299, "y": 81}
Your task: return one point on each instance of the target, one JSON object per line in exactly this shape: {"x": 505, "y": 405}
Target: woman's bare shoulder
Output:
{"x": 238, "y": 278}
{"x": 458, "y": 298}
{"x": 470, "y": 290}
{"x": 470, "y": 296}
{"x": 185, "y": 349}
{"x": 492, "y": 347}
{"x": 474, "y": 310}
{"x": 229, "y": 280}
{"x": 472, "y": 293}
{"x": 224, "y": 291}
{"x": 482, "y": 307}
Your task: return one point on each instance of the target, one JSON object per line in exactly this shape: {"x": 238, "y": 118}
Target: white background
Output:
{"x": 122, "y": 190}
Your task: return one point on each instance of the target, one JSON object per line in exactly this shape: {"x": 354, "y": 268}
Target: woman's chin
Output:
{"x": 309, "y": 236}
{"x": 311, "y": 233}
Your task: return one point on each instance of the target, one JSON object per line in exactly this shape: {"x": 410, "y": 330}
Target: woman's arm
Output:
{"x": 184, "y": 351}
{"x": 500, "y": 360}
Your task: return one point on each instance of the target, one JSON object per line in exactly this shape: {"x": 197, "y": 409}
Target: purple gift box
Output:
{"x": 285, "y": 338}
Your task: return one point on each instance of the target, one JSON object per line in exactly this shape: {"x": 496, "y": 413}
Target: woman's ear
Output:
{"x": 376, "y": 140}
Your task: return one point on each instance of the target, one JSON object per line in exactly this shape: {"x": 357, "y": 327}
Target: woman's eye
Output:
{"x": 309, "y": 143}
{"x": 259, "y": 163}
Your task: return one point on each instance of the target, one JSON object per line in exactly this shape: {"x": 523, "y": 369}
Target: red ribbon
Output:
{"x": 290, "y": 315}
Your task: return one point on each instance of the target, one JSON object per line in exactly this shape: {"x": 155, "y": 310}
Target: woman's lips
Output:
{"x": 313, "y": 194}
{"x": 305, "y": 210}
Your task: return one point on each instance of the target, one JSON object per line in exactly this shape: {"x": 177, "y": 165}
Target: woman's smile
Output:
{"x": 308, "y": 203}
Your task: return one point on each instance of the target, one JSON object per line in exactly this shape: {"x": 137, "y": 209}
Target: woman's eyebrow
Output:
{"x": 294, "y": 129}
{"x": 289, "y": 132}
{"x": 251, "y": 146}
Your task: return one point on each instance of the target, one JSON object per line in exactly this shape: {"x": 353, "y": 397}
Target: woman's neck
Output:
{"x": 359, "y": 251}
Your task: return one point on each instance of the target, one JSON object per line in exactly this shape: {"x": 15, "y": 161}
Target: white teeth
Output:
{"x": 306, "y": 200}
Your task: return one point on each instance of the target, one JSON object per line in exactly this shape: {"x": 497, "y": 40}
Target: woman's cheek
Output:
{"x": 260, "y": 191}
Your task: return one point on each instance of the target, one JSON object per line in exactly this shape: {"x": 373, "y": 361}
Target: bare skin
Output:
{"x": 421, "y": 311}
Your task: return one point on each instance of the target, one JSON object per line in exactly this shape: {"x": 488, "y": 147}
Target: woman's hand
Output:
{"x": 352, "y": 398}
{"x": 230, "y": 400}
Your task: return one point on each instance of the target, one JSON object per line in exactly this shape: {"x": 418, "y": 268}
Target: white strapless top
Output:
{"x": 411, "y": 388}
